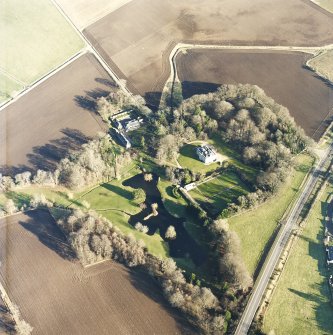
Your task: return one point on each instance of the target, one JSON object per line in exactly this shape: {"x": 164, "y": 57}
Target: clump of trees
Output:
{"x": 171, "y": 233}
{"x": 231, "y": 264}
{"x": 142, "y": 228}
{"x": 139, "y": 195}
{"x": 9, "y": 208}
{"x": 94, "y": 238}
{"x": 96, "y": 161}
{"x": 117, "y": 101}
{"x": 199, "y": 304}
{"x": 261, "y": 130}
{"x": 39, "y": 200}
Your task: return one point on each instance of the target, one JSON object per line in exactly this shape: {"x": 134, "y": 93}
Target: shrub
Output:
{"x": 171, "y": 233}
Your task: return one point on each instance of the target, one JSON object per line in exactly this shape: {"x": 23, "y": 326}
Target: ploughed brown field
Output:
{"x": 58, "y": 115}
{"x": 56, "y": 295}
{"x": 281, "y": 75}
{"x": 136, "y": 39}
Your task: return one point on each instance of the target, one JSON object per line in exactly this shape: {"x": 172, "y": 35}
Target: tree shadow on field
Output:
{"x": 8, "y": 170}
{"x": 191, "y": 88}
{"x": 150, "y": 288}
{"x": 318, "y": 293}
{"x": 118, "y": 190}
{"x": 42, "y": 225}
{"x": 88, "y": 101}
{"x": 7, "y": 325}
{"x": 106, "y": 82}
{"x": 47, "y": 156}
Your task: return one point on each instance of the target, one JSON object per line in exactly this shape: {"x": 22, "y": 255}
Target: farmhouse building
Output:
{"x": 206, "y": 154}
{"x": 127, "y": 124}
{"x": 329, "y": 251}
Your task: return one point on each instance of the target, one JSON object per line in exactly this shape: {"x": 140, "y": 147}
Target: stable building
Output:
{"x": 207, "y": 154}
{"x": 124, "y": 140}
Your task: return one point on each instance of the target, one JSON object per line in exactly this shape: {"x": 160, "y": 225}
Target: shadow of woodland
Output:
{"x": 48, "y": 155}
{"x": 7, "y": 325}
{"x": 42, "y": 225}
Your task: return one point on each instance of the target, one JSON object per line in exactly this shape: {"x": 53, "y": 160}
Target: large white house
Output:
{"x": 207, "y": 154}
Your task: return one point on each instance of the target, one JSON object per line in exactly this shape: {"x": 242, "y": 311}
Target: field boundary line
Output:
{"x": 12, "y": 77}
{"x": 189, "y": 46}
{"x": 102, "y": 16}
{"x": 93, "y": 50}
{"x": 43, "y": 78}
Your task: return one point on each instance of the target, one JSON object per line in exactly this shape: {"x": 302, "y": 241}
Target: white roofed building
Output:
{"x": 207, "y": 154}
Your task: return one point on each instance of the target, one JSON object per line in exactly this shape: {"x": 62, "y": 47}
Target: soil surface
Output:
{"x": 57, "y": 116}
{"x": 136, "y": 39}
{"x": 281, "y": 75}
{"x": 183, "y": 246}
{"x": 56, "y": 295}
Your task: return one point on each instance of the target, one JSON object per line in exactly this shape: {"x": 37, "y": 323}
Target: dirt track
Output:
{"x": 136, "y": 39}
{"x": 281, "y": 74}
{"x": 56, "y": 116}
{"x": 57, "y": 296}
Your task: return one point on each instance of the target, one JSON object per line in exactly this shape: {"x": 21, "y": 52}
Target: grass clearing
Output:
{"x": 257, "y": 226}
{"x": 175, "y": 206}
{"x": 36, "y": 39}
{"x": 217, "y": 193}
{"x": 114, "y": 201}
{"x": 188, "y": 158}
{"x": 301, "y": 302}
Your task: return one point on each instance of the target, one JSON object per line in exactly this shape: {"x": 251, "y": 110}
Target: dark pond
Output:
{"x": 183, "y": 245}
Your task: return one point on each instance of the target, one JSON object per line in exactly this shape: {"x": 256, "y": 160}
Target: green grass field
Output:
{"x": 219, "y": 192}
{"x": 323, "y": 63}
{"x": 326, "y": 4}
{"x": 8, "y": 87}
{"x": 301, "y": 303}
{"x": 113, "y": 201}
{"x": 188, "y": 159}
{"x": 36, "y": 38}
{"x": 257, "y": 226}
{"x": 175, "y": 206}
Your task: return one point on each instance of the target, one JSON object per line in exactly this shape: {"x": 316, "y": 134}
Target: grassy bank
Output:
{"x": 300, "y": 304}
{"x": 257, "y": 226}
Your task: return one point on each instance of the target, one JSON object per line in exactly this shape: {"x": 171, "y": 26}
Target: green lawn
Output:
{"x": 300, "y": 304}
{"x": 113, "y": 201}
{"x": 217, "y": 193}
{"x": 188, "y": 159}
{"x": 257, "y": 226}
{"x": 35, "y": 39}
{"x": 326, "y": 4}
{"x": 175, "y": 206}
{"x": 8, "y": 87}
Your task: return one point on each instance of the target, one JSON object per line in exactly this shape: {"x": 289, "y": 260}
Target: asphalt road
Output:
{"x": 281, "y": 241}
